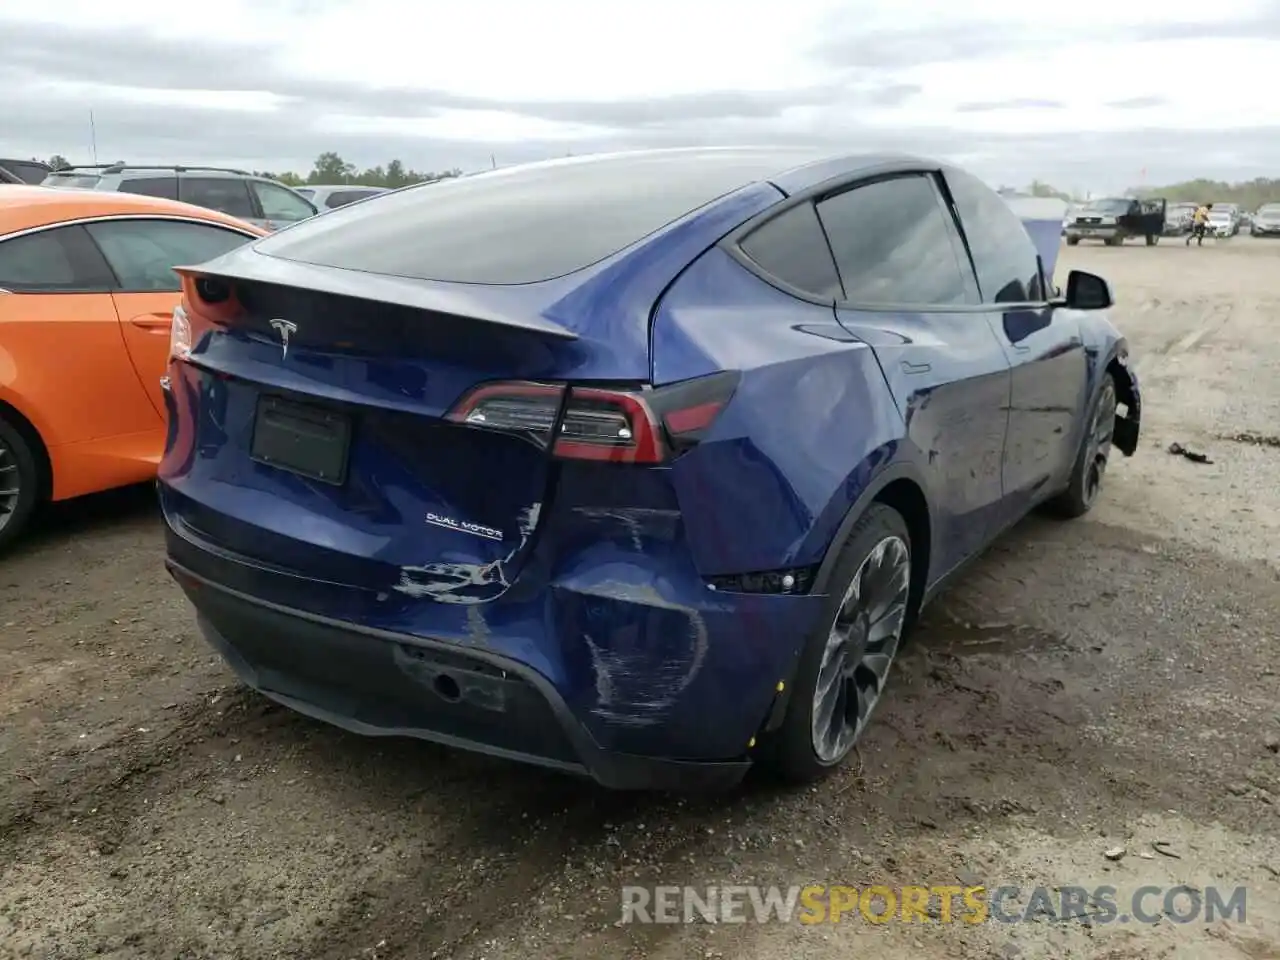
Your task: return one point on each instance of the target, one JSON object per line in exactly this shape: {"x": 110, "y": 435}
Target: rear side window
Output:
{"x": 60, "y": 260}
{"x": 894, "y": 243}
{"x": 340, "y": 198}
{"x": 227, "y": 194}
{"x": 143, "y": 253}
{"x": 792, "y": 248}
{"x": 309, "y": 194}
{"x": 1003, "y": 255}
{"x": 523, "y": 224}
{"x": 166, "y": 187}
{"x": 281, "y": 203}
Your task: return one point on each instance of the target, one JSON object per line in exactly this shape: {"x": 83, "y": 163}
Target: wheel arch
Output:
{"x": 901, "y": 487}
{"x": 27, "y": 430}
{"x": 1127, "y": 392}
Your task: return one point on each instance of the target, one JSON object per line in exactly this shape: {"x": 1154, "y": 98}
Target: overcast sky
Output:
{"x": 1085, "y": 94}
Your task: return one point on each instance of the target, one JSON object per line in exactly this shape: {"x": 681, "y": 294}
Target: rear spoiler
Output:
{"x": 1042, "y": 217}
{"x": 470, "y": 302}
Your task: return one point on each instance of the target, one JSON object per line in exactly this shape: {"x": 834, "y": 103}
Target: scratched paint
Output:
{"x": 467, "y": 583}
{"x": 637, "y": 522}
{"x": 631, "y": 689}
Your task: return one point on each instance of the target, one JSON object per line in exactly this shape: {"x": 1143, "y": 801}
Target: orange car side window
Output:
{"x": 60, "y": 259}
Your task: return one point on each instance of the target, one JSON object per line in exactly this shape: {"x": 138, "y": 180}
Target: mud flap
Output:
{"x": 1125, "y": 434}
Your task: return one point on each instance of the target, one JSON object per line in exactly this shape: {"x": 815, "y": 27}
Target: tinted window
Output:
{"x": 280, "y": 203}
{"x": 309, "y": 194}
{"x": 143, "y": 253}
{"x": 217, "y": 193}
{"x": 893, "y": 244}
{"x": 166, "y": 187}
{"x": 1003, "y": 254}
{"x": 340, "y": 198}
{"x": 63, "y": 259}
{"x": 792, "y": 248}
{"x": 27, "y": 172}
{"x": 527, "y": 223}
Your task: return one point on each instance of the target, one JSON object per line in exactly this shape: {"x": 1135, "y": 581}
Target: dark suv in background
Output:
{"x": 23, "y": 171}
{"x": 259, "y": 201}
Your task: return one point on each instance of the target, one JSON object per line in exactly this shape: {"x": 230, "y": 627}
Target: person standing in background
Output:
{"x": 1199, "y": 223}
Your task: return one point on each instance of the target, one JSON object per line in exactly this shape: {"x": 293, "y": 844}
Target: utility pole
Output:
{"x": 93, "y": 137}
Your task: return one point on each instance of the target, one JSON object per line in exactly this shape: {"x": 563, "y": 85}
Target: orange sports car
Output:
{"x": 87, "y": 291}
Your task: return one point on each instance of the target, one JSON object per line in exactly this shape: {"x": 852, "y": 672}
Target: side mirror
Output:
{"x": 1088, "y": 291}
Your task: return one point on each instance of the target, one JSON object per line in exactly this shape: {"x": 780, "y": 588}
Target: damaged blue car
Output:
{"x": 637, "y": 466}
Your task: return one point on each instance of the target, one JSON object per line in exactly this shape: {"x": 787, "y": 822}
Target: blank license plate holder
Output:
{"x": 311, "y": 441}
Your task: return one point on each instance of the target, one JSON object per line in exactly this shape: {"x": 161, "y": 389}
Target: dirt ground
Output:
{"x": 1108, "y": 682}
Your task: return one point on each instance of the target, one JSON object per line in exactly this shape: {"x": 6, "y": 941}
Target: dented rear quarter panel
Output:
{"x": 811, "y": 425}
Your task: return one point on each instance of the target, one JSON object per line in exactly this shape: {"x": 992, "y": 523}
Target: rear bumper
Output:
{"x": 381, "y": 683}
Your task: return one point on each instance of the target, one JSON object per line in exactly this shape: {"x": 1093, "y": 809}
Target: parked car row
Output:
{"x": 1113, "y": 220}
{"x": 238, "y": 193}
{"x": 257, "y": 200}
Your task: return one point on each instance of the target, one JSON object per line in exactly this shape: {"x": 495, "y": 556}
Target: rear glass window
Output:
{"x": 524, "y": 224}
{"x": 340, "y": 198}
{"x": 83, "y": 180}
{"x": 25, "y": 170}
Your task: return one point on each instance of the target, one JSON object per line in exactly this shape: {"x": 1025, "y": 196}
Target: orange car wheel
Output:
{"x": 19, "y": 483}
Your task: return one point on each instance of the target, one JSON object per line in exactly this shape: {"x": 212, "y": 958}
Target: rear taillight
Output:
{"x": 595, "y": 423}
{"x": 179, "y": 335}
{"x": 206, "y": 302}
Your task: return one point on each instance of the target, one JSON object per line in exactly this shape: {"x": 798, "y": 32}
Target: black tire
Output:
{"x": 1090, "y": 467}
{"x": 1073, "y": 241}
{"x": 17, "y": 463}
{"x": 790, "y": 752}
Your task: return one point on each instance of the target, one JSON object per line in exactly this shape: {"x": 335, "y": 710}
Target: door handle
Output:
{"x": 1021, "y": 348}
{"x": 153, "y": 323}
{"x": 910, "y": 367}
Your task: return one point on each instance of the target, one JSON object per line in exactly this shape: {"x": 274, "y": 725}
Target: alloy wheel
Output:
{"x": 860, "y": 649}
{"x": 10, "y": 484}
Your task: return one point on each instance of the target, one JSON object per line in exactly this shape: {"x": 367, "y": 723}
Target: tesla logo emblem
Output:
{"x": 284, "y": 328}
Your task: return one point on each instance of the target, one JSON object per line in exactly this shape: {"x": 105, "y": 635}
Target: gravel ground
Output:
{"x": 1104, "y": 683}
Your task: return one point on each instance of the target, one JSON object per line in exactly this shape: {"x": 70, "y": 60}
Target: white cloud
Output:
{"x": 1056, "y": 69}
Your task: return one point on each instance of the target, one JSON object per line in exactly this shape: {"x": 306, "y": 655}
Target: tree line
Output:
{"x": 1250, "y": 195}
{"x": 330, "y": 168}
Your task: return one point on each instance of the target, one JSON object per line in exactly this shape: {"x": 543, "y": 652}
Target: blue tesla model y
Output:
{"x": 636, "y": 465}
